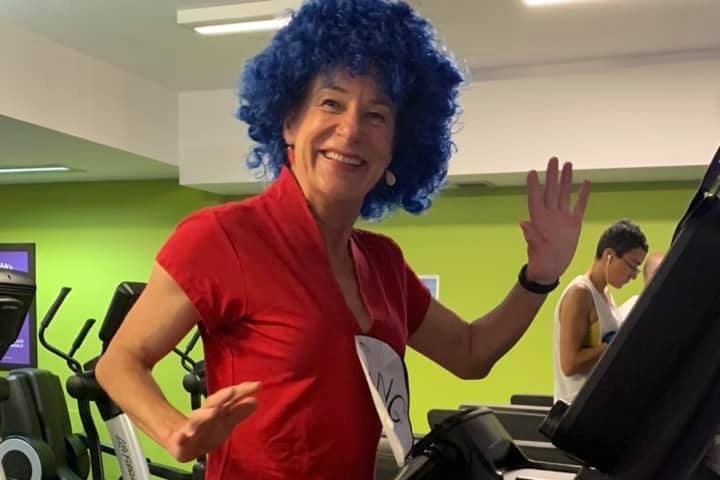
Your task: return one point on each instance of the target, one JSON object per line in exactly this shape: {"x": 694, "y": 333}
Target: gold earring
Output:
{"x": 390, "y": 179}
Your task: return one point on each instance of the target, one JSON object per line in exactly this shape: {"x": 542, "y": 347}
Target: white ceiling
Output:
{"x": 142, "y": 36}
{"x": 493, "y": 38}
{"x": 23, "y": 144}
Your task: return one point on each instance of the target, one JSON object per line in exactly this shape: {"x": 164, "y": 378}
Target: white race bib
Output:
{"x": 387, "y": 379}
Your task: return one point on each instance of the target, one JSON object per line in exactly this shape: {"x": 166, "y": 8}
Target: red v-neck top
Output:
{"x": 272, "y": 311}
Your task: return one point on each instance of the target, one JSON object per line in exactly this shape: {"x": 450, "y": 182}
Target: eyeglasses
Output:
{"x": 632, "y": 267}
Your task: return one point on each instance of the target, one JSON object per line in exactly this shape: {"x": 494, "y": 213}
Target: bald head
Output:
{"x": 652, "y": 262}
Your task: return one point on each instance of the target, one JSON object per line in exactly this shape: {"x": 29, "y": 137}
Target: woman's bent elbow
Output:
{"x": 101, "y": 372}
{"x": 110, "y": 367}
{"x": 476, "y": 372}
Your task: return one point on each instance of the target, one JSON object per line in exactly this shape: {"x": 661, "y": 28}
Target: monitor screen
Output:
{"x": 23, "y": 352}
{"x": 17, "y": 292}
{"x": 652, "y": 403}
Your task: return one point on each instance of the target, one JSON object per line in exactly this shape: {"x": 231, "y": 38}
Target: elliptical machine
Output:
{"x": 37, "y": 441}
{"x": 83, "y": 387}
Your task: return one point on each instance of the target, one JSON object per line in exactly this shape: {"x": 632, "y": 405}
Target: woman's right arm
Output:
{"x": 160, "y": 318}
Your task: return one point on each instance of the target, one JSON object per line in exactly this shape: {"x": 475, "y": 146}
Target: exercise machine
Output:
{"x": 83, "y": 387}
{"x": 37, "y": 441}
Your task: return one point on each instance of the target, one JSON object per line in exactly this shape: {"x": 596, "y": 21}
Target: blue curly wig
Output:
{"x": 400, "y": 48}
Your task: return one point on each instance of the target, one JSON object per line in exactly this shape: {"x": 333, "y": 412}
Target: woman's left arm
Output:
{"x": 469, "y": 350}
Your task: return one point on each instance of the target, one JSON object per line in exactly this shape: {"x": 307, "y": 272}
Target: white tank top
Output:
{"x": 567, "y": 387}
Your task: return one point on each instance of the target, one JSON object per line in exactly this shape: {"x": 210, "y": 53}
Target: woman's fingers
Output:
{"x": 230, "y": 394}
{"x": 565, "y": 187}
{"x": 535, "y": 194}
{"x": 552, "y": 189}
{"x": 582, "y": 200}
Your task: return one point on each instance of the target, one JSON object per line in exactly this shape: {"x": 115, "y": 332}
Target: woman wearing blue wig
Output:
{"x": 304, "y": 318}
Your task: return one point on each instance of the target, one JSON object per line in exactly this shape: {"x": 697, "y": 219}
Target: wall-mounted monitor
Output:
{"x": 23, "y": 352}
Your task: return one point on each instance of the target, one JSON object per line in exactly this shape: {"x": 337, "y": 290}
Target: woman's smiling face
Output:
{"x": 342, "y": 136}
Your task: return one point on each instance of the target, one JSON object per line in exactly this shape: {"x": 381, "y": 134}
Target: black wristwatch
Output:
{"x": 535, "y": 287}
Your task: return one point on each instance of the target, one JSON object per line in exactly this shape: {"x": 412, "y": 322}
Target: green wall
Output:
{"x": 92, "y": 236}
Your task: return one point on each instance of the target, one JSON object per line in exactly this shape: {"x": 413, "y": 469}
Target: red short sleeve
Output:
{"x": 201, "y": 259}
{"x": 418, "y": 300}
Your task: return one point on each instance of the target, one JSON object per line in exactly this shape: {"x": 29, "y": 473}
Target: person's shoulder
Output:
{"x": 578, "y": 293}
{"x": 229, "y": 212}
{"x": 216, "y": 221}
{"x": 580, "y": 289}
